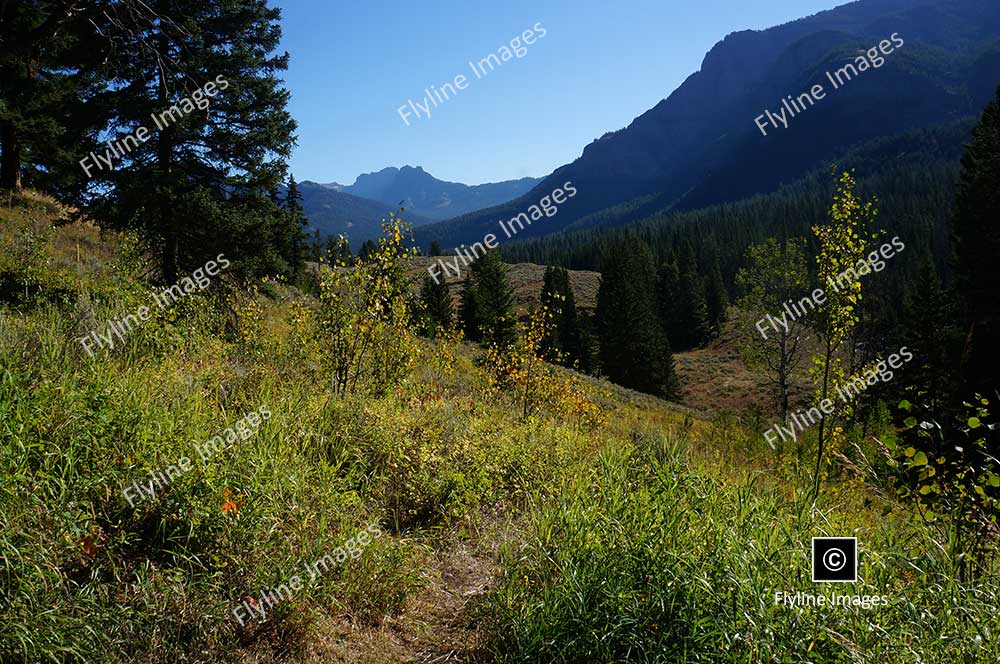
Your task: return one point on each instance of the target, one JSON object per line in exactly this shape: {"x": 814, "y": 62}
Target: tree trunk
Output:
{"x": 168, "y": 221}
{"x": 10, "y": 159}
{"x": 822, "y": 422}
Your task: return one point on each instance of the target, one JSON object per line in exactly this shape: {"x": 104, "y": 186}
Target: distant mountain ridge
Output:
{"x": 699, "y": 146}
{"x": 334, "y": 213}
{"x": 425, "y": 195}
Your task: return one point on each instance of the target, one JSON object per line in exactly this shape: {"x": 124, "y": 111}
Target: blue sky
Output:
{"x": 601, "y": 64}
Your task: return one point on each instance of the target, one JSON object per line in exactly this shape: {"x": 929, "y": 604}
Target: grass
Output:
{"x": 656, "y": 537}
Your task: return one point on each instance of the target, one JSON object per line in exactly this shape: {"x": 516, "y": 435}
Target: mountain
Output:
{"x": 429, "y": 197}
{"x": 333, "y": 212}
{"x": 700, "y": 146}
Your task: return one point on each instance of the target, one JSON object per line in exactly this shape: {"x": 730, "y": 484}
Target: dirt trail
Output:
{"x": 437, "y": 625}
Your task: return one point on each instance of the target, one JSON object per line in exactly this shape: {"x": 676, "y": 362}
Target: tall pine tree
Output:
{"x": 633, "y": 348}
{"x": 976, "y": 231}
{"x": 293, "y": 236}
{"x": 488, "y": 303}
{"x": 668, "y": 283}
{"x": 438, "y": 311}
{"x": 200, "y": 77}
{"x": 930, "y": 333}
{"x": 692, "y": 325}
{"x": 716, "y": 297}
{"x": 565, "y": 338}
{"x": 49, "y": 90}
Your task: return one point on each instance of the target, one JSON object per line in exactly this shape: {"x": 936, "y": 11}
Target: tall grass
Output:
{"x": 648, "y": 560}
{"x": 648, "y": 538}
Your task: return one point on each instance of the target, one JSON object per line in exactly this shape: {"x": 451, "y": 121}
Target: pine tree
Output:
{"x": 367, "y": 250}
{"x": 930, "y": 333}
{"x": 436, "y": 248}
{"x": 550, "y": 300}
{"x": 692, "y": 325}
{"x": 633, "y": 348}
{"x": 716, "y": 297}
{"x": 200, "y": 76}
{"x": 977, "y": 246}
{"x": 292, "y": 236}
{"x": 316, "y": 246}
{"x": 494, "y": 300}
{"x": 468, "y": 311}
{"x": 48, "y": 88}
{"x": 338, "y": 251}
{"x": 438, "y": 310}
{"x": 564, "y": 340}
{"x": 668, "y": 283}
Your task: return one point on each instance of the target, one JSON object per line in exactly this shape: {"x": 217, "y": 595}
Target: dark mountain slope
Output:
{"x": 333, "y": 212}
{"x": 700, "y": 145}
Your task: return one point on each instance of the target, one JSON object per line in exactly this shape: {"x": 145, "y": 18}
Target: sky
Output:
{"x": 600, "y": 65}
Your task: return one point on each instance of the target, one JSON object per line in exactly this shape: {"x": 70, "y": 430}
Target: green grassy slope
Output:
{"x": 633, "y": 533}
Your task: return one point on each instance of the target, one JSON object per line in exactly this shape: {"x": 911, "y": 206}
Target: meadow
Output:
{"x": 599, "y": 525}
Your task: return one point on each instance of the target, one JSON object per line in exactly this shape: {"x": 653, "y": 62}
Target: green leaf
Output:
{"x": 910, "y": 422}
{"x": 974, "y": 423}
{"x": 905, "y": 405}
{"x": 920, "y": 459}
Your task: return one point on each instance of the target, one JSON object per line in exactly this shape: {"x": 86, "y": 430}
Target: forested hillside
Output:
{"x": 700, "y": 145}
{"x": 739, "y": 405}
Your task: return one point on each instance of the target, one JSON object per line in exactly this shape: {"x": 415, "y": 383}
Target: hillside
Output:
{"x": 526, "y": 280}
{"x": 334, "y": 213}
{"x": 476, "y": 513}
{"x": 700, "y": 146}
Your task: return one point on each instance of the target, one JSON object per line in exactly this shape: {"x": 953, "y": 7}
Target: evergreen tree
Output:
{"x": 436, "y": 248}
{"x": 930, "y": 333}
{"x": 468, "y": 311}
{"x": 494, "y": 301}
{"x": 550, "y": 299}
{"x": 564, "y": 339}
{"x": 367, "y": 250}
{"x": 438, "y": 310}
{"x": 716, "y": 297}
{"x": 338, "y": 251}
{"x": 200, "y": 77}
{"x": 634, "y": 350}
{"x": 316, "y": 246}
{"x": 668, "y": 283}
{"x": 977, "y": 246}
{"x": 49, "y": 90}
{"x": 692, "y": 323}
{"x": 293, "y": 236}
